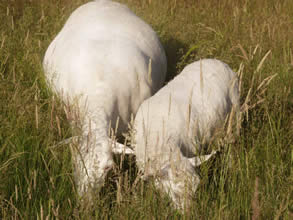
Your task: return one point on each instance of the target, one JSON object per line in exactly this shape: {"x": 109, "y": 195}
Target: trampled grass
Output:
{"x": 251, "y": 178}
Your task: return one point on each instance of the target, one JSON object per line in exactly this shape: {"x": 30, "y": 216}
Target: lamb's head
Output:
{"x": 179, "y": 180}
{"x": 176, "y": 176}
{"x": 92, "y": 163}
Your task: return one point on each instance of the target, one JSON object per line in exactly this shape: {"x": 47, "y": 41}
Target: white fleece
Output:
{"x": 179, "y": 120}
{"x": 99, "y": 63}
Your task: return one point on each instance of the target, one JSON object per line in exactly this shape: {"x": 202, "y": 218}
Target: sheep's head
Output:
{"x": 92, "y": 163}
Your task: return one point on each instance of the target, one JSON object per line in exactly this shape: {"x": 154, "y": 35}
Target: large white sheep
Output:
{"x": 172, "y": 126}
{"x": 104, "y": 62}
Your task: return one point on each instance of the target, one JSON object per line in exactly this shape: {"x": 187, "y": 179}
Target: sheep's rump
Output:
{"x": 102, "y": 56}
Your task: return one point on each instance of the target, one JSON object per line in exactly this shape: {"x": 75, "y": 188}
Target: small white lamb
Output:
{"x": 172, "y": 126}
{"x": 104, "y": 62}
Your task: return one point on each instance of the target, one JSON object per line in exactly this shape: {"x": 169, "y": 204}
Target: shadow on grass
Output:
{"x": 172, "y": 47}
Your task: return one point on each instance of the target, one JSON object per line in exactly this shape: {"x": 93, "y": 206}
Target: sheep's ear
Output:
{"x": 197, "y": 161}
{"x": 118, "y": 148}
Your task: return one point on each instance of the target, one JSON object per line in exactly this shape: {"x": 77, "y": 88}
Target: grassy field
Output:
{"x": 255, "y": 37}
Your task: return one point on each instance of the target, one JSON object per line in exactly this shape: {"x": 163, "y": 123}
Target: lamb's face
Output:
{"x": 180, "y": 183}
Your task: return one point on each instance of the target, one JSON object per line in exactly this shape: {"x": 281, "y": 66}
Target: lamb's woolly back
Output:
{"x": 100, "y": 62}
{"x": 173, "y": 125}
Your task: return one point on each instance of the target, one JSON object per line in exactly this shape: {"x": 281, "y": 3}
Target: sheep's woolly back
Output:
{"x": 179, "y": 119}
{"x": 101, "y": 59}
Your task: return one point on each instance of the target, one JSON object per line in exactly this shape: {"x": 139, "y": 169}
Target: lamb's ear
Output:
{"x": 118, "y": 148}
{"x": 197, "y": 161}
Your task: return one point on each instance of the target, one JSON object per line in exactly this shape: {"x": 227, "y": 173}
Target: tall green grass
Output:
{"x": 252, "y": 178}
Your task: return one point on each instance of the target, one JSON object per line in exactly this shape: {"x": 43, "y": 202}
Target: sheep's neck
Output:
{"x": 95, "y": 130}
